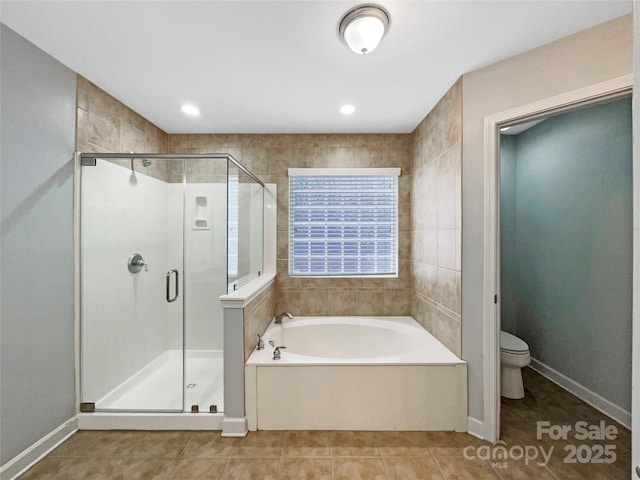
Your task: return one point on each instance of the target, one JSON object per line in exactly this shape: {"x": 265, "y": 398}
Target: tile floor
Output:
{"x": 339, "y": 455}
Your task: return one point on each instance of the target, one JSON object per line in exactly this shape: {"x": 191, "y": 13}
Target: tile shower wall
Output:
{"x": 436, "y": 220}
{"x": 103, "y": 124}
{"x": 256, "y": 318}
{"x": 269, "y": 157}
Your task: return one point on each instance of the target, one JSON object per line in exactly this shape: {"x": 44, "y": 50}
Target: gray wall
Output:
{"x": 37, "y": 391}
{"x": 570, "y": 275}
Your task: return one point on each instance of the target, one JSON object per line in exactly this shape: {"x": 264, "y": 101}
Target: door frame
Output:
{"x": 491, "y": 294}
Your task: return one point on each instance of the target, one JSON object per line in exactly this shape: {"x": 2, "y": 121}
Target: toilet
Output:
{"x": 514, "y": 356}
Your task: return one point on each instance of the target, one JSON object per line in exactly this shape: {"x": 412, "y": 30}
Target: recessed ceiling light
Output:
{"x": 504, "y": 129}
{"x": 347, "y": 109}
{"x": 190, "y": 109}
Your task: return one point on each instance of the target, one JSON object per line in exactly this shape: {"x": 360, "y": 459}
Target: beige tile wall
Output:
{"x": 269, "y": 157}
{"x": 436, "y": 220}
{"x": 256, "y": 318}
{"x": 104, "y": 124}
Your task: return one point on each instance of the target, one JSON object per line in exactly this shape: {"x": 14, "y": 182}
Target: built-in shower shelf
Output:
{"x": 201, "y": 224}
{"x": 201, "y": 213}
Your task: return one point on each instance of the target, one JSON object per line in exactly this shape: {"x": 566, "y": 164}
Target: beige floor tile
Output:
{"x": 565, "y": 471}
{"x": 306, "y": 469}
{"x": 143, "y": 444}
{"x": 77, "y": 445}
{"x": 160, "y": 444}
{"x": 403, "y": 444}
{"x": 412, "y": 469}
{"x": 73, "y": 468}
{"x": 520, "y": 433}
{"x": 307, "y": 444}
{"x": 198, "y": 469}
{"x": 358, "y": 469}
{"x": 115, "y": 443}
{"x": 209, "y": 445}
{"x": 130, "y": 455}
{"x": 448, "y": 443}
{"x": 459, "y": 468}
{"x": 521, "y": 470}
{"x": 355, "y": 444}
{"x": 252, "y": 469}
{"x": 143, "y": 469}
{"x": 516, "y": 410}
{"x": 259, "y": 444}
{"x": 618, "y": 470}
{"x": 623, "y": 439}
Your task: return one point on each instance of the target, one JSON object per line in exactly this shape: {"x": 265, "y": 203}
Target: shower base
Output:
{"x": 159, "y": 385}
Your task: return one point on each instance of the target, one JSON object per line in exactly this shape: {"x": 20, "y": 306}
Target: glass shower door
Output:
{"x": 205, "y": 280}
{"x": 131, "y": 267}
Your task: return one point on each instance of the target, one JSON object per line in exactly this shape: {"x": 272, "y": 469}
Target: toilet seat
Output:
{"x": 512, "y": 344}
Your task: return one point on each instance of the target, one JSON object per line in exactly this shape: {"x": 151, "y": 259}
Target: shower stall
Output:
{"x": 162, "y": 236}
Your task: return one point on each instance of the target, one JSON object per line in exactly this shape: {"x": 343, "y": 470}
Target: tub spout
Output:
{"x": 282, "y": 315}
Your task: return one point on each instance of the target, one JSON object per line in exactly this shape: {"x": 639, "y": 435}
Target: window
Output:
{"x": 343, "y": 222}
{"x": 232, "y": 225}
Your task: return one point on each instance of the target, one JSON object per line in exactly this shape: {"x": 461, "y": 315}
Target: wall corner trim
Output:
{"x": 610, "y": 409}
{"x": 475, "y": 427}
{"x": 25, "y": 460}
{"x": 234, "y": 427}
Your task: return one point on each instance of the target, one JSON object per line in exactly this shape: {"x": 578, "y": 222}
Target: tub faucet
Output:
{"x": 282, "y": 315}
{"x": 276, "y": 352}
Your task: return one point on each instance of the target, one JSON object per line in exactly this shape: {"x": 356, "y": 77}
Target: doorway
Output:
{"x": 491, "y": 324}
{"x": 565, "y": 275}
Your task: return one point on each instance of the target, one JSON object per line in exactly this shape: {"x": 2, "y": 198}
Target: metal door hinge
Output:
{"x": 495, "y": 299}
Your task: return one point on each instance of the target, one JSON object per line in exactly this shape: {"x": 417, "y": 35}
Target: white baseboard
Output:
{"x": 598, "y": 402}
{"x": 475, "y": 427}
{"x": 150, "y": 421}
{"x": 25, "y": 460}
{"x": 234, "y": 427}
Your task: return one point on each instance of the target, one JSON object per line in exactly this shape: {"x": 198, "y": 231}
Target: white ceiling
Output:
{"x": 279, "y": 66}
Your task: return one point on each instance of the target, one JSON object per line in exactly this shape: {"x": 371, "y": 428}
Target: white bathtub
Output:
{"x": 355, "y": 373}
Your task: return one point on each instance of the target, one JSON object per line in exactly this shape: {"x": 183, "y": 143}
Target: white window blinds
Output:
{"x": 232, "y": 225}
{"x": 343, "y": 222}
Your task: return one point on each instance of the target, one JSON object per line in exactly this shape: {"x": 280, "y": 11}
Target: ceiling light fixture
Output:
{"x": 189, "y": 109}
{"x": 363, "y": 27}
{"x": 347, "y": 109}
{"x": 504, "y": 129}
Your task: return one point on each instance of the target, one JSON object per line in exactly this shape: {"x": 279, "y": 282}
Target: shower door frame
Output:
{"x": 103, "y": 419}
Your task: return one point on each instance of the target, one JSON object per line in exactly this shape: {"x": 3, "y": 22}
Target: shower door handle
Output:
{"x": 175, "y": 297}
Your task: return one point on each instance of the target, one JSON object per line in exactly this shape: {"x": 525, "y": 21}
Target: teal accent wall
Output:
{"x": 508, "y": 294}
{"x": 566, "y": 273}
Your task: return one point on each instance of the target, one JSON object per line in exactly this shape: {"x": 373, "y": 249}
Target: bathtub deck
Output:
{"x": 422, "y": 390}
{"x": 432, "y": 352}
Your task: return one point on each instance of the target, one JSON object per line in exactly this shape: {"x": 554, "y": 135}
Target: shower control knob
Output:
{"x": 136, "y": 262}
